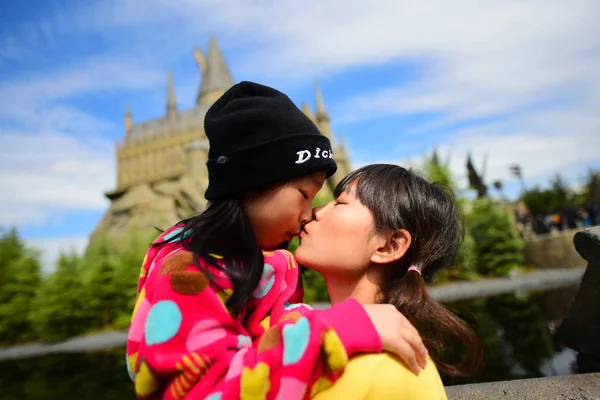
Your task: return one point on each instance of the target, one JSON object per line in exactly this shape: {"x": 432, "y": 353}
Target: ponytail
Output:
{"x": 442, "y": 332}
{"x": 400, "y": 199}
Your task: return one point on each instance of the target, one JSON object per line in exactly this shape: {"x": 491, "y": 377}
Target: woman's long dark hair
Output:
{"x": 401, "y": 199}
{"x": 223, "y": 229}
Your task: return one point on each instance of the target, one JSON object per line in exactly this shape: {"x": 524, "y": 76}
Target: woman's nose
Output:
{"x": 318, "y": 212}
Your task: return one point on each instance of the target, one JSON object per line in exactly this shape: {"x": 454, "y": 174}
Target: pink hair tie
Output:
{"x": 413, "y": 268}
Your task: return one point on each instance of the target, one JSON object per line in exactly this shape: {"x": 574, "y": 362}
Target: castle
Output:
{"x": 161, "y": 164}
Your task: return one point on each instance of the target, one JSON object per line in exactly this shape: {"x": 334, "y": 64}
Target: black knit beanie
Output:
{"x": 258, "y": 137}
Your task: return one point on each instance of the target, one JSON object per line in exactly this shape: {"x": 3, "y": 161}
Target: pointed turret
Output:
{"x": 342, "y": 144}
{"x": 128, "y": 119}
{"x": 216, "y": 78}
{"x": 343, "y": 162}
{"x": 200, "y": 60}
{"x": 322, "y": 118}
{"x": 171, "y": 99}
{"x": 321, "y": 110}
{"x": 308, "y": 112}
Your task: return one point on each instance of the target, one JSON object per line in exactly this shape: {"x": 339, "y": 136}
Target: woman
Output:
{"x": 386, "y": 234}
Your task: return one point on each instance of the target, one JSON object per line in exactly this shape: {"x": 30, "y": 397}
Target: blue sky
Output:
{"x": 519, "y": 80}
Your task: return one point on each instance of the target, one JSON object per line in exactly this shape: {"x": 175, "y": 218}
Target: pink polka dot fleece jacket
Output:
{"x": 184, "y": 343}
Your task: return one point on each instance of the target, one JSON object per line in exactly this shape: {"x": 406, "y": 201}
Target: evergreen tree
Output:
{"x": 60, "y": 309}
{"x": 435, "y": 171}
{"x": 539, "y": 202}
{"x": 439, "y": 173}
{"x": 497, "y": 245}
{"x": 101, "y": 294}
{"x": 20, "y": 280}
{"x": 560, "y": 189}
{"x": 128, "y": 264}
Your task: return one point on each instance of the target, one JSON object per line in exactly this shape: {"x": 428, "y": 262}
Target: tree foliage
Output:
{"x": 61, "y": 310}
{"x": 557, "y": 196}
{"x": 19, "y": 281}
{"x": 497, "y": 245}
{"x": 84, "y": 293}
{"x": 440, "y": 174}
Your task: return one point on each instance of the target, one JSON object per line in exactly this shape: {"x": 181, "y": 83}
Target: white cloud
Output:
{"x": 543, "y": 143}
{"x": 95, "y": 75}
{"x": 531, "y": 67}
{"x": 51, "y": 247}
{"x": 52, "y": 173}
{"x": 56, "y": 158}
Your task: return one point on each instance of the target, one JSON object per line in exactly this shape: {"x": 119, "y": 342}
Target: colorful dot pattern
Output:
{"x": 163, "y": 322}
{"x": 184, "y": 349}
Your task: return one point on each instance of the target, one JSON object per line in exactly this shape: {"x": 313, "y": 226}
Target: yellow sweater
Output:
{"x": 383, "y": 377}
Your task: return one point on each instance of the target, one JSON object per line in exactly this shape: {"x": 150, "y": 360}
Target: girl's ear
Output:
{"x": 392, "y": 247}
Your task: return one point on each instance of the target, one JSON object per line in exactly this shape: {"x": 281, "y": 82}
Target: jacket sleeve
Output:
{"x": 193, "y": 348}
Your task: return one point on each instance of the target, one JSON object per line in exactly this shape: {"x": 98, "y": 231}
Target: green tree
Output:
{"x": 129, "y": 260}
{"x": 102, "y": 292}
{"x": 497, "y": 245}
{"x": 539, "y": 202}
{"x": 60, "y": 310}
{"x": 20, "y": 280}
{"x": 560, "y": 189}
{"x": 439, "y": 173}
{"x": 557, "y": 196}
{"x": 315, "y": 289}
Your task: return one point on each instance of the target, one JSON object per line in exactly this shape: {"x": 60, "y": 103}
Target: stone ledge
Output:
{"x": 572, "y": 387}
{"x": 587, "y": 244}
{"x": 581, "y": 329}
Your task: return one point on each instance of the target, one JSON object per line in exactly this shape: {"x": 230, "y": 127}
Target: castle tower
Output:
{"x": 161, "y": 163}
{"x": 321, "y": 119}
{"x": 216, "y": 78}
{"x": 197, "y": 156}
{"x": 128, "y": 120}
{"x": 308, "y": 112}
{"x": 171, "y": 99}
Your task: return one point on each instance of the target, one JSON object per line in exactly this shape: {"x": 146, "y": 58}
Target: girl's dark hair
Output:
{"x": 401, "y": 199}
{"x": 223, "y": 229}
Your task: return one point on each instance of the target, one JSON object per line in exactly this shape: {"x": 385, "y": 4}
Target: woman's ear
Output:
{"x": 392, "y": 247}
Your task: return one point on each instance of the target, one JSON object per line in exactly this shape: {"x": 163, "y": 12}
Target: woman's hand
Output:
{"x": 398, "y": 335}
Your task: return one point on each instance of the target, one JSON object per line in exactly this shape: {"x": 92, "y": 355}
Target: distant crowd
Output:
{"x": 561, "y": 219}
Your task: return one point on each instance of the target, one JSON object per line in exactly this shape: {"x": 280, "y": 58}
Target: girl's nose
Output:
{"x": 318, "y": 212}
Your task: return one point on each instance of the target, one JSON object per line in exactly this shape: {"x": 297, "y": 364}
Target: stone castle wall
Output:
{"x": 552, "y": 250}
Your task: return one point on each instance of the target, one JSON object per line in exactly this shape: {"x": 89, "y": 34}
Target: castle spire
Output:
{"x": 322, "y": 116}
{"x": 171, "y": 99}
{"x": 307, "y": 111}
{"x": 128, "y": 119}
{"x": 216, "y": 78}
{"x": 200, "y": 60}
{"x": 321, "y": 110}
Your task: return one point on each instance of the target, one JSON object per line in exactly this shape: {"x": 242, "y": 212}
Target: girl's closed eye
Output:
{"x": 303, "y": 193}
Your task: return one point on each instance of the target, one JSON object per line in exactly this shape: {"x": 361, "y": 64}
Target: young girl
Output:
{"x": 206, "y": 288}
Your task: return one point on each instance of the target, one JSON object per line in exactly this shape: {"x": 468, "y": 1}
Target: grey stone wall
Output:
{"x": 573, "y": 387}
